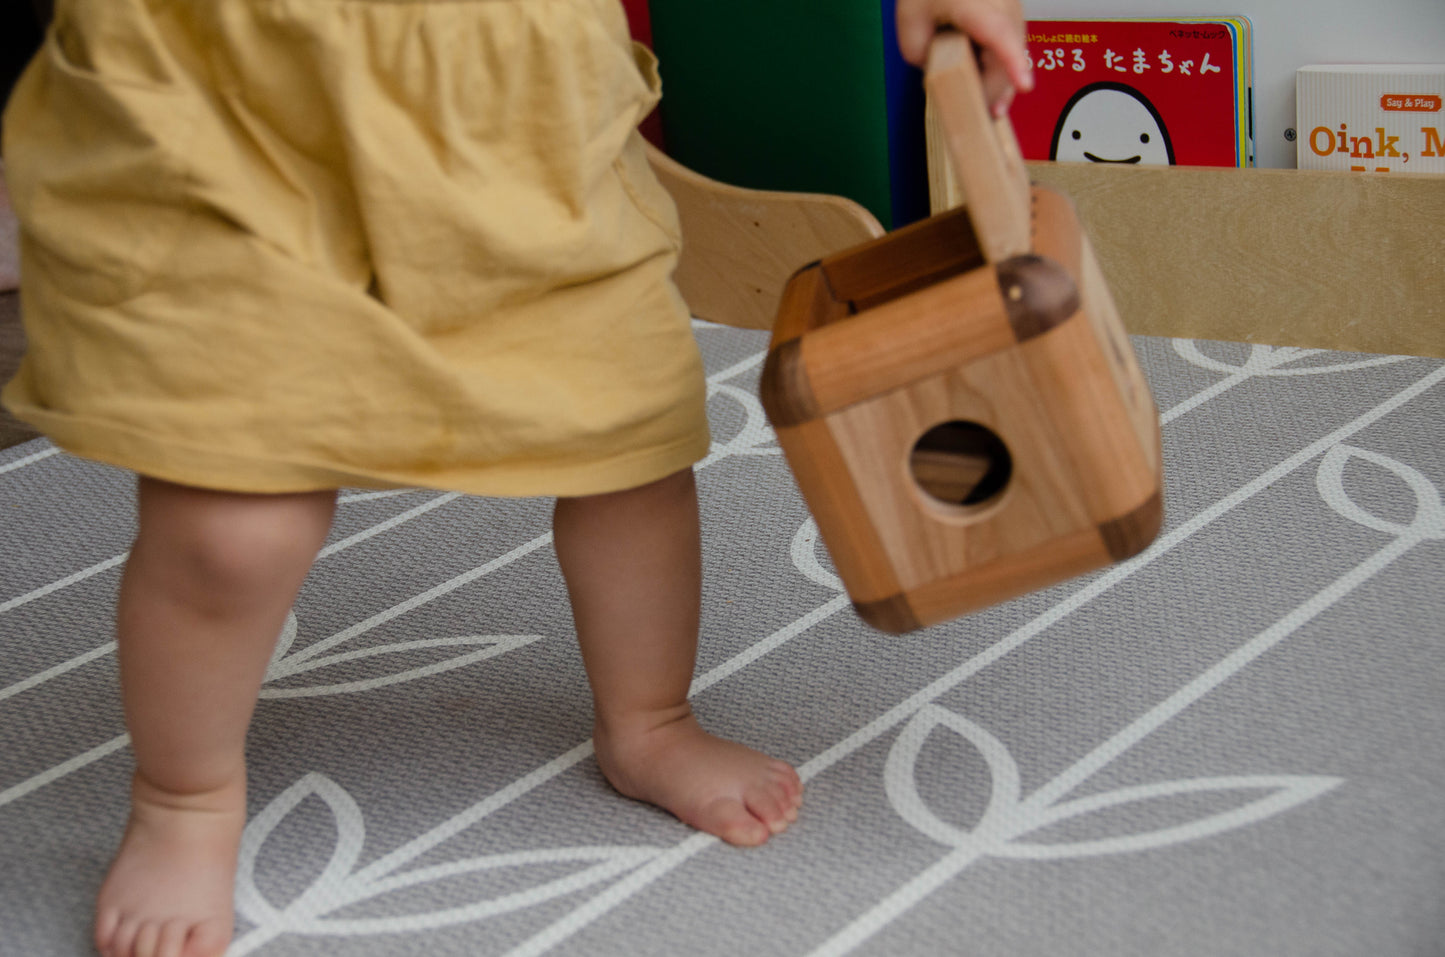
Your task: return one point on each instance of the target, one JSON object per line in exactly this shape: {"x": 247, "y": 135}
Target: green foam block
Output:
{"x": 782, "y": 94}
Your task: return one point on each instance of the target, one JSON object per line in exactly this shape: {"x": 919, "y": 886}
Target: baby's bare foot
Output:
{"x": 169, "y": 891}
{"x": 717, "y": 786}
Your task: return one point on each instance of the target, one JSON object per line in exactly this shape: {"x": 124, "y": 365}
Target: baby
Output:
{"x": 272, "y": 250}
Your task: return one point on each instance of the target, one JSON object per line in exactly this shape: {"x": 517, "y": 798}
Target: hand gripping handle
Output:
{"x": 983, "y": 150}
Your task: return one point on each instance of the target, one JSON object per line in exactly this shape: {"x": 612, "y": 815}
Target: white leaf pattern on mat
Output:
{"x": 896, "y": 904}
{"x": 901, "y": 783}
{"x": 806, "y": 558}
{"x": 284, "y": 641}
{"x": 1284, "y": 792}
{"x": 357, "y": 885}
{"x": 350, "y": 838}
{"x": 1429, "y": 516}
{"x": 605, "y": 864}
{"x": 340, "y": 885}
{"x": 1261, "y": 361}
{"x": 1007, "y": 818}
{"x": 1272, "y": 360}
{"x": 1047, "y": 804}
{"x": 756, "y": 435}
{"x": 285, "y": 665}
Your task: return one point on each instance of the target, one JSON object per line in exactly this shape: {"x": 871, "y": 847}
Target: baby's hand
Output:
{"x": 995, "y": 25}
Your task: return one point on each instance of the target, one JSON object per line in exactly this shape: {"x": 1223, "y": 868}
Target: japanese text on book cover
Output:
{"x": 1147, "y": 92}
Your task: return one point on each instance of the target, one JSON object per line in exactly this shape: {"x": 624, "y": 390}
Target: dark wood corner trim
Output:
{"x": 786, "y": 395}
{"x": 892, "y": 615}
{"x": 1128, "y": 535}
{"x": 1038, "y": 294}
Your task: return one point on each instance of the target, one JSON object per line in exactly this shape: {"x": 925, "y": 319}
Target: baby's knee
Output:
{"x": 231, "y": 545}
{"x": 242, "y": 557}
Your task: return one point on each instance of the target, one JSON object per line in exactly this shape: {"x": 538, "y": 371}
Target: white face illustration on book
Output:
{"x": 1112, "y": 126}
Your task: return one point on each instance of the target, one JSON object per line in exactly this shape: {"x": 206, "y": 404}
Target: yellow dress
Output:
{"x": 286, "y": 245}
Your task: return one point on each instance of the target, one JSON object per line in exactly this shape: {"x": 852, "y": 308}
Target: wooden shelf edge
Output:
{"x": 1331, "y": 260}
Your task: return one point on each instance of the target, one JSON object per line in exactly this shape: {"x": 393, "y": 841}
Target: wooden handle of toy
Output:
{"x": 985, "y": 154}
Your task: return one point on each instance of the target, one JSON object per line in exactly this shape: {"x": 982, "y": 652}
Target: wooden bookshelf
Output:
{"x": 1347, "y": 261}
{"x": 1329, "y": 260}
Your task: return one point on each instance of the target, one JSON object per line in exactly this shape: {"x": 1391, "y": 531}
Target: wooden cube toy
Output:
{"x": 958, "y": 400}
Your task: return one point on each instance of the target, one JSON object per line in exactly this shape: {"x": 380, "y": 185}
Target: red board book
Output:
{"x": 1138, "y": 92}
{"x": 639, "y": 19}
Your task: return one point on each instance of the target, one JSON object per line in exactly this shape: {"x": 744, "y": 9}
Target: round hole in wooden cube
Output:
{"x": 961, "y": 463}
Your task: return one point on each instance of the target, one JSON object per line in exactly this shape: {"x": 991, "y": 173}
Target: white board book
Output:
{"x": 1371, "y": 118}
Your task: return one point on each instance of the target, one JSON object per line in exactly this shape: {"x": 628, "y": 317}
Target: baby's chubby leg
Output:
{"x": 633, "y": 566}
{"x": 206, "y": 591}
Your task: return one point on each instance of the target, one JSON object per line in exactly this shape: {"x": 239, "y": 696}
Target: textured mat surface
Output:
{"x": 1231, "y": 745}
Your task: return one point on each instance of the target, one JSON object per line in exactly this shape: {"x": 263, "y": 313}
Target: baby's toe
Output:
{"x": 147, "y": 940}
{"x": 732, "y": 821}
{"x": 208, "y": 938}
{"x": 771, "y": 806}
{"x": 172, "y": 940}
{"x": 790, "y": 782}
{"x": 123, "y": 938}
{"x": 107, "y": 923}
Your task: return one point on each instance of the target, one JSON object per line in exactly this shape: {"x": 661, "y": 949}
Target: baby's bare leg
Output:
{"x": 205, "y": 593}
{"x": 634, "y": 568}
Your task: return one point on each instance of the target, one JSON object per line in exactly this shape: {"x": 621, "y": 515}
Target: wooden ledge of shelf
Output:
{"x": 1346, "y": 261}
{"x": 1329, "y": 260}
